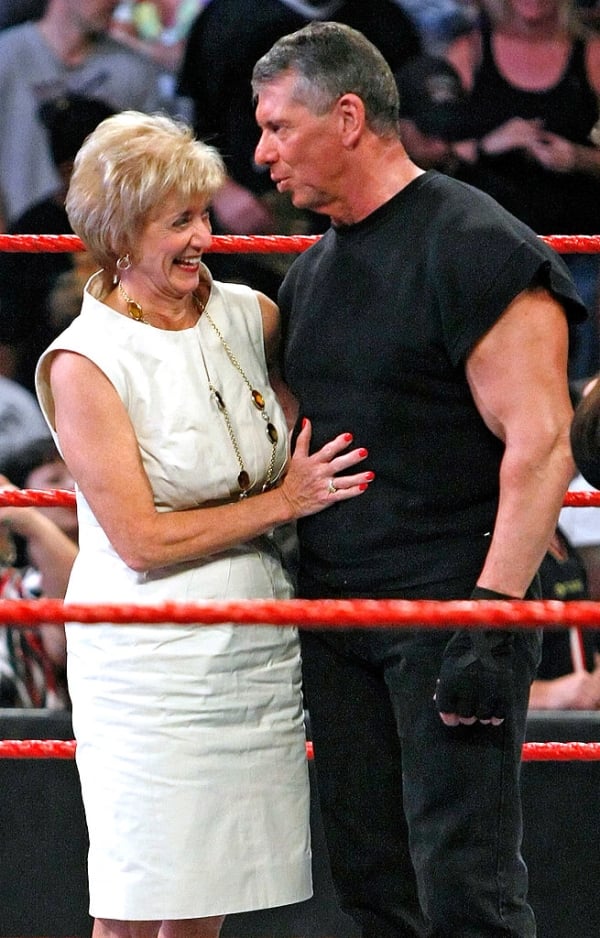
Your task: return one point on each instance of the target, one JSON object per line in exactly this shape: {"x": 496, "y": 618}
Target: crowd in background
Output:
{"x": 511, "y": 110}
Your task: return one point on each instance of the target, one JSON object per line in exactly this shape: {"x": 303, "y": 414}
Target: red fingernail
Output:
{"x": 348, "y": 437}
{"x": 363, "y": 487}
{"x": 304, "y": 422}
{"x": 363, "y": 452}
{"x": 370, "y": 476}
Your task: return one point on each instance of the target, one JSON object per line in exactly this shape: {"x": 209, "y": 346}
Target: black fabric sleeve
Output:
{"x": 482, "y": 258}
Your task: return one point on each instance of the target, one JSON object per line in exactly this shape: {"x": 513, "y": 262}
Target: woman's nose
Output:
{"x": 202, "y": 233}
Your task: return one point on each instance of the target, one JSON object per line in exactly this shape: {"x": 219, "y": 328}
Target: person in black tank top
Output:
{"x": 533, "y": 149}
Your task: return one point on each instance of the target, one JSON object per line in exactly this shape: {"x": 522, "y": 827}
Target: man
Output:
{"x": 434, "y": 324}
{"x": 224, "y": 42}
{"x": 66, "y": 51}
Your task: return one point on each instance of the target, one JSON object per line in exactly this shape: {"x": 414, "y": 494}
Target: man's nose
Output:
{"x": 263, "y": 155}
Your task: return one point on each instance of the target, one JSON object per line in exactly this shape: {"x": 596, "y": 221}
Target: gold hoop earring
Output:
{"x": 124, "y": 262}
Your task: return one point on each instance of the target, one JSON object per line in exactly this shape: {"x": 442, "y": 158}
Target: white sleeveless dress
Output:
{"x": 190, "y": 739}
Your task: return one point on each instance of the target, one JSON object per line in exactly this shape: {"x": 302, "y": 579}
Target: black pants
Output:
{"x": 423, "y": 821}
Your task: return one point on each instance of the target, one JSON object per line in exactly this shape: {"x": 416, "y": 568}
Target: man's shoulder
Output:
{"x": 452, "y": 202}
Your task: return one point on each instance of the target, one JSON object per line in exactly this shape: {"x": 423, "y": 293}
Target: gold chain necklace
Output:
{"x": 136, "y": 312}
{"x": 259, "y": 403}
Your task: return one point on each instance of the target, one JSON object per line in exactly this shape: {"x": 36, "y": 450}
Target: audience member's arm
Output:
{"x": 49, "y": 549}
{"x": 579, "y": 690}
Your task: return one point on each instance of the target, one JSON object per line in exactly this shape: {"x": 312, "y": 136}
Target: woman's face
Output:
{"x": 536, "y": 12}
{"x": 171, "y": 246}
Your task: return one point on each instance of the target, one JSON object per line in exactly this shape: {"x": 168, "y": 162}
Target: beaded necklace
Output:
{"x": 136, "y": 312}
{"x": 259, "y": 403}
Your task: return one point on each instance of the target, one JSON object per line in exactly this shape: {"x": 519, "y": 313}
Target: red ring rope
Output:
{"x": 316, "y": 613}
{"x": 65, "y": 749}
{"x": 260, "y": 244}
{"x": 64, "y": 497}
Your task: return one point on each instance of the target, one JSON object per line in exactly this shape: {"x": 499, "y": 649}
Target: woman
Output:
{"x": 533, "y": 76}
{"x": 190, "y": 739}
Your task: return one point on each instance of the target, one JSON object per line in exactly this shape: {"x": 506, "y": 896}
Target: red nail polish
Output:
{"x": 363, "y": 452}
{"x": 370, "y": 476}
{"x": 304, "y": 422}
{"x": 348, "y": 437}
{"x": 363, "y": 487}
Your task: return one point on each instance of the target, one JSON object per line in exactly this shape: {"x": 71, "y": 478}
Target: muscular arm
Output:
{"x": 517, "y": 375}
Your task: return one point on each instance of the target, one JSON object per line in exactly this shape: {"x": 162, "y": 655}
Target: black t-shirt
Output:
{"x": 379, "y": 318}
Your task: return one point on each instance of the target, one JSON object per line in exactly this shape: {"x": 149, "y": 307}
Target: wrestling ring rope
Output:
{"x": 260, "y": 244}
{"x": 296, "y": 612}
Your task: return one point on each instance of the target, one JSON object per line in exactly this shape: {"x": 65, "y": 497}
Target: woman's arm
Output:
{"x": 464, "y": 53}
{"x": 49, "y": 549}
{"x": 272, "y": 334}
{"x": 102, "y": 453}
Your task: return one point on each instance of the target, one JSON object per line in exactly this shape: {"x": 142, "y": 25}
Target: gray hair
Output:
{"x": 329, "y": 60}
{"x": 124, "y": 171}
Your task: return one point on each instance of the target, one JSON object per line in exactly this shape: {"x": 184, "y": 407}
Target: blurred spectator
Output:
{"x": 568, "y": 677}
{"x": 441, "y": 21}
{"x": 533, "y": 75}
{"x": 158, "y": 30}
{"x": 224, "y": 42}
{"x": 39, "y": 465}
{"x": 33, "y": 286}
{"x": 20, "y": 418}
{"x": 434, "y": 113}
{"x": 39, "y": 545}
{"x": 582, "y": 525}
{"x": 33, "y": 659}
{"x": 66, "y": 51}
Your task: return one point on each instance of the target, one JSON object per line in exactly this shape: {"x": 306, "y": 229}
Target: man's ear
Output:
{"x": 351, "y": 111}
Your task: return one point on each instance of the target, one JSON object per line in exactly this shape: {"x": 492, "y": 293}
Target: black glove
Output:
{"x": 476, "y": 673}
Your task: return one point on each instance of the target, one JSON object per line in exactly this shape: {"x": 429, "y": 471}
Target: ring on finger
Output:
{"x": 331, "y": 488}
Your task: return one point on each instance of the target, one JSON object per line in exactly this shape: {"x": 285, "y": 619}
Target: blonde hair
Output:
{"x": 124, "y": 171}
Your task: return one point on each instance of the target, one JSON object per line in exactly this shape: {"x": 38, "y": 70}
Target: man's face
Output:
{"x": 303, "y": 150}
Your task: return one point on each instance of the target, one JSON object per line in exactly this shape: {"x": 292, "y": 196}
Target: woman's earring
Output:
{"x": 124, "y": 262}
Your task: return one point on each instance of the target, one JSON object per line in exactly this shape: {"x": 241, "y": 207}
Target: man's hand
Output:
{"x": 475, "y": 682}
